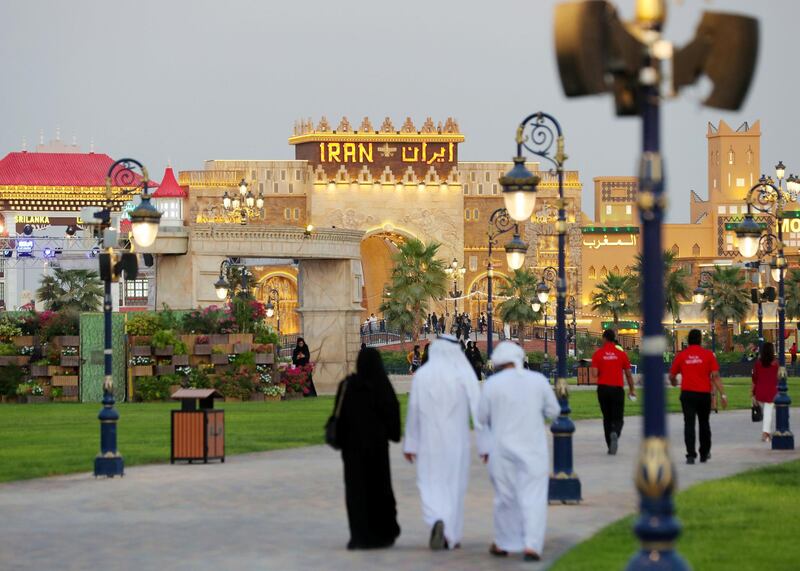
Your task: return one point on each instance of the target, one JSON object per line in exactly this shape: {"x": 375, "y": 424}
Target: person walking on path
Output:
{"x": 609, "y": 365}
{"x": 765, "y": 386}
{"x": 414, "y": 359}
{"x": 301, "y": 357}
{"x": 444, "y": 395}
{"x": 513, "y": 408}
{"x": 368, "y": 420}
{"x": 793, "y": 353}
{"x": 475, "y": 358}
{"x": 699, "y": 372}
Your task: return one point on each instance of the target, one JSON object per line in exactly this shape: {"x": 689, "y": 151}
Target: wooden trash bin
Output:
{"x": 586, "y": 376}
{"x": 198, "y": 430}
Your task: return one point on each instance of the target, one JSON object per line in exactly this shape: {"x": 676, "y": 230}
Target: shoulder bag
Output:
{"x": 756, "y": 412}
{"x": 331, "y": 427}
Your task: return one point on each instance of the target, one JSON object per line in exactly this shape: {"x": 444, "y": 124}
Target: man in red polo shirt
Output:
{"x": 699, "y": 370}
{"x": 609, "y": 363}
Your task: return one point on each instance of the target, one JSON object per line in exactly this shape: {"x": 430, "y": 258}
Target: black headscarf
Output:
{"x": 370, "y": 372}
{"x": 301, "y": 355}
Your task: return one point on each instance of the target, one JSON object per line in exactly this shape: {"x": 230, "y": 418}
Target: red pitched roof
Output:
{"x": 169, "y": 187}
{"x": 54, "y": 169}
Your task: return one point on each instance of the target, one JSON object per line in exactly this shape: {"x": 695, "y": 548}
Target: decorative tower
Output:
{"x": 169, "y": 199}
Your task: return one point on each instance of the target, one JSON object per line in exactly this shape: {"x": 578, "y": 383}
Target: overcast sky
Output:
{"x": 186, "y": 81}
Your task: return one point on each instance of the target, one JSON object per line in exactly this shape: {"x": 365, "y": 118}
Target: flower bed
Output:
{"x": 296, "y": 379}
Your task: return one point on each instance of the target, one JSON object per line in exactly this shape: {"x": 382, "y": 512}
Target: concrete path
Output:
{"x": 285, "y": 511}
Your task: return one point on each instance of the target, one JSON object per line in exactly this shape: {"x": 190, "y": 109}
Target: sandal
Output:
{"x": 532, "y": 556}
{"x": 496, "y": 551}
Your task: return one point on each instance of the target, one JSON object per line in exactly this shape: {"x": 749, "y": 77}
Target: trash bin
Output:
{"x": 198, "y": 430}
{"x": 585, "y": 376}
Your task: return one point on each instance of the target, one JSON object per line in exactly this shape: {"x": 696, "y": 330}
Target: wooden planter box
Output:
{"x": 141, "y": 350}
{"x": 264, "y": 358}
{"x": 14, "y": 360}
{"x": 165, "y": 370}
{"x": 71, "y": 361}
{"x": 180, "y": 360}
{"x": 163, "y": 351}
{"x": 219, "y": 358}
{"x": 240, "y": 338}
{"x": 40, "y": 370}
{"x": 142, "y": 370}
{"x": 272, "y": 397}
{"x": 139, "y": 339}
{"x": 68, "y": 340}
{"x": 265, "y": 348}
{"x": 257, "y": 397}
{"x": 64, "y": 381}
{"x": 24, "y": 341}
{"x": 65, "y": 398}
{"x": 31, "y": 399}
{"x": 242, "y": 347}
{"x": 195, "y": 360}
{"x": 53, "y": 370}
{"x": 71, "y": 392}
{"x": 202, "y": 349}
{"x": 218, "y": 339}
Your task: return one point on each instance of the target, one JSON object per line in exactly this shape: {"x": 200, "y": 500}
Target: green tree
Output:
{"x": 520, "y": 291}
{"x": 417, "y": 277}
{"x": 78, "y": 290}
{"x": 791, "y": 284}
{"x": 676, "y": 287}
{"x": 615, "y": 296}
{"x": 728, "y": 296}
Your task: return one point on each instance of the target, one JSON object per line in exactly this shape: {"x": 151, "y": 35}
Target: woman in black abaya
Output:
{"x": 301, "y": 356}
{"x": 369, "y": 418}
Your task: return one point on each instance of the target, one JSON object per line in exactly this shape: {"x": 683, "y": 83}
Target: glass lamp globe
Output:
{"x": 235, "y": 203}
{"x": 748, "y": 233}
{"x": 226, "y": 200}
{"x": 260, "y": 201}
{"x": 542, "y": 292}
{"x": 776, "y": 274}
{"x": 221, "y": 287}
{"x": 780, "y": 170}
{"x": 699, "y": 295}
{"x": 536, "y": 306}
{"x": 515, "y": 252}
{"x": 250, "y": 200}
{"x": 270, "y": 309}
{"x": 144, "y": 223}
{"x": 331, "y": 186}
{"x": 519, "y": 190}
{"x": 242, "y": 188}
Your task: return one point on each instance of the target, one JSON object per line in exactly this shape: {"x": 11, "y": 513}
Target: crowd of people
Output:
{"x": 509, "y": 415}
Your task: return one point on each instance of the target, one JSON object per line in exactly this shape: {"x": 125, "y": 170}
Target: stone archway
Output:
{"x": 285, "y": 313}
{"x": 479, "y": 292}
{"x": 377, "y": 249}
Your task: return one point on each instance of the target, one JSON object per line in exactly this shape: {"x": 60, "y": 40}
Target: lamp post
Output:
{"x": 541, "y": 135}
{"x": 499, "y": 223}
{"x": 144, "y": 227}
{"x": 227, "y": 285}
{"x": 244, "y": 205}
{"x": 274, "y": 309}
{"x": 549, "y": 276}
{"x": 572, "y": 311}
{"x": 456, "y": 272}
{"x": 705, "y": 285}
{"x": 752, "y": 239}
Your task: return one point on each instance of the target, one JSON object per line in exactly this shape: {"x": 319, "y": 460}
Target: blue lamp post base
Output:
{"x": 109, "y": 466}
{"x": 565, "y": 486}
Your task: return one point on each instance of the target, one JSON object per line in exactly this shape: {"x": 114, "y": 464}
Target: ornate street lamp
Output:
{"x": 549, "y": 276}
{"x": 456, "y": 272}
{"x": 244, "y": 205}
{"x": 541, "y": 135}
{"x": 768, "y": 200}
{"x": 225, "y": 286}
{"x": 501, "y": 222}
{"x": 144, "y": 227}
{"x": 704, "y": 285}
{"x": 274, "y": 309}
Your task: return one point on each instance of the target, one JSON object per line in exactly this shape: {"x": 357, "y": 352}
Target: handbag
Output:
{"x": 331, "y": 427}
{"x": 756, "y": 412}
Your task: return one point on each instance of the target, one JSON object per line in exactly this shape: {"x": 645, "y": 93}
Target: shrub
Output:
{"x": 12, "y": 375}
{"x": 167, "y": 338}
{"x": 198, "y": 379}
{"x": 57, "y": 392}
{"x": 143, "y": 324}
{"x": 29, "y": 322}
{"x": 239, "y": 382}
{"x": 9, "y": 330}
{"x": 153, "y": 388}
{"x": 247, "y": 313}
{"x": 65, "y": 322}
{"x": 247, "y": 358}
{"x": 206, "y": 320}
{"x": 7, "y": 349}
{"x": 264, "y": 334}
{"x": 167, "y": 319}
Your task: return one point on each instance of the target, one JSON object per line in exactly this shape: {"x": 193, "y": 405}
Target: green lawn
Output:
{"x": 44, "y": 440}
{"x": 744, "y": 522}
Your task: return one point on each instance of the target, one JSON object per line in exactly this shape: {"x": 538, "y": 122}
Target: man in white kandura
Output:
{"x": 513, "y": 408}
{"x": 444, "y": 394}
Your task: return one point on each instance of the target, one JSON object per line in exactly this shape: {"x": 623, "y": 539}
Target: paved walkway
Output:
{"x": 284, "y": 510}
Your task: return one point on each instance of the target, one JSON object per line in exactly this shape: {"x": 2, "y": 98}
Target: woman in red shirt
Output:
{"x": 765, "y": 386}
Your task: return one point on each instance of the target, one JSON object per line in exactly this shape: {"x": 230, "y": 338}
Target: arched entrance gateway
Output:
{"x": 285, "y": 319}
{"x": 377, "y": 249}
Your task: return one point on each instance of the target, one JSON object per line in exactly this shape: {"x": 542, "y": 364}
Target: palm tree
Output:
{"x": 417, "y": 277}
{"x": 676, "y": 288}
{"x": 791, "y": 284}
{"x": 78, "y": 290}
{"x": 615, "y": 295}
{"x": 728, "y": 296}
{"x": 521, "y": 291}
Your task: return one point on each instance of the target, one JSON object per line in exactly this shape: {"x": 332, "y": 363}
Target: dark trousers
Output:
{"x": 696, "y": 405}
{"x": 612, "y": 405}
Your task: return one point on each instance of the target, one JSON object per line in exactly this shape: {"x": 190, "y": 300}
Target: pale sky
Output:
{"x": 186, "y": 81}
